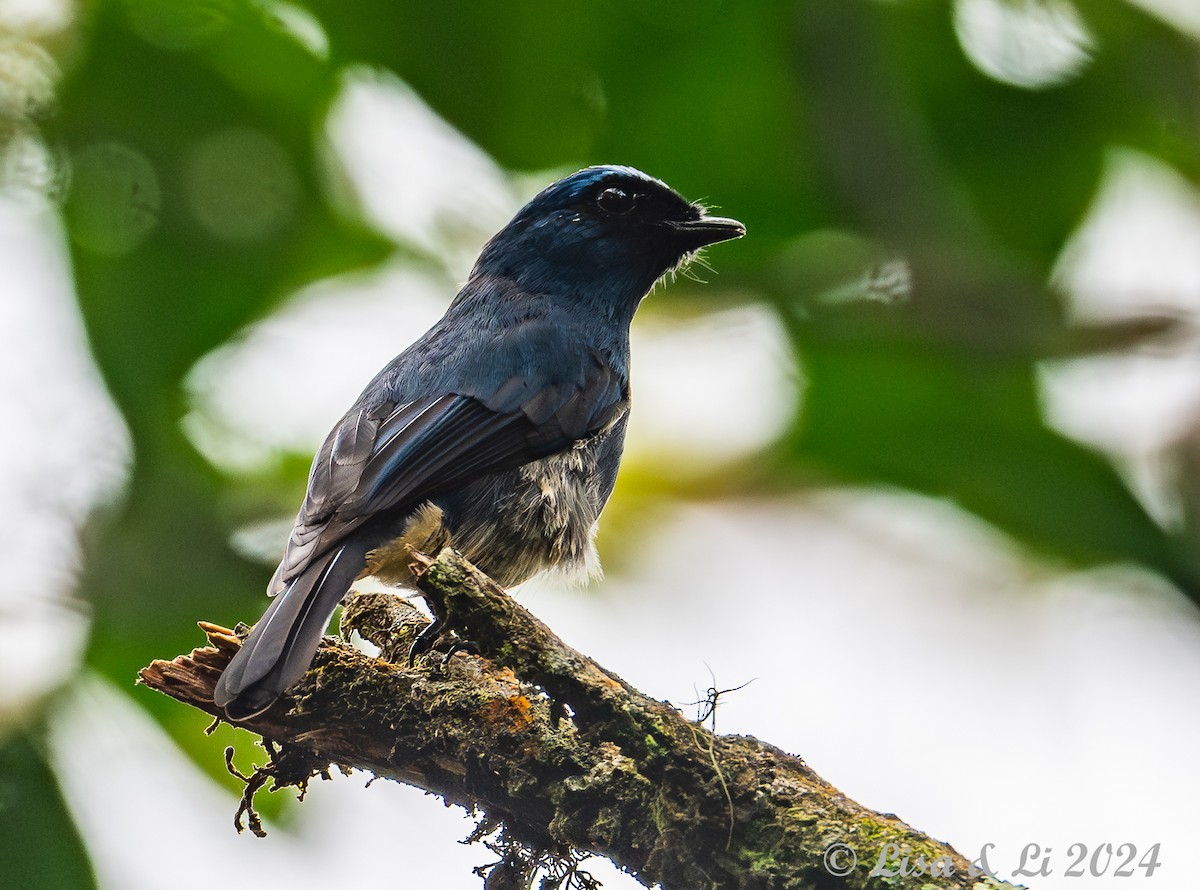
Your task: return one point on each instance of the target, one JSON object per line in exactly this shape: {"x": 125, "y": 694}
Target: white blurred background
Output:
{"x": 1060, "y": 708}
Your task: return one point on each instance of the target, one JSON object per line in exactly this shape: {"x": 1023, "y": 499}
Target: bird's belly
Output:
{"x": 543, "y": 516}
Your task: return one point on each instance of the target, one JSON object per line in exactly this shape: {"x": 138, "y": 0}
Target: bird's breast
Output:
{"x": 537, "y": 517}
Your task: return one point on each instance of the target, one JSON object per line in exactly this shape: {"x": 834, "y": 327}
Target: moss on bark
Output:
{"x": 623, "y": 776}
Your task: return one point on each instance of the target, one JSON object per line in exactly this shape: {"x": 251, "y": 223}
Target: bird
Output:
{"x": 499, "y": 431}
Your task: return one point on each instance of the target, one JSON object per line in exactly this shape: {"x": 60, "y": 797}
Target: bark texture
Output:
{"x": 562, "y": 754}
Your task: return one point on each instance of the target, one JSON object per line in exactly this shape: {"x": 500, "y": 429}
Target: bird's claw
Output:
{"x": 425, "y": 640}
{"x": 459, "y": 645}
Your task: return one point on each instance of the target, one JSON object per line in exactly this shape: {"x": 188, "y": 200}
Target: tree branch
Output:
{"x": 559, "y": 753}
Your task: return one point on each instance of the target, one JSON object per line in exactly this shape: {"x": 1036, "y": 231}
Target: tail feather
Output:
{"x": 281, "y": 646}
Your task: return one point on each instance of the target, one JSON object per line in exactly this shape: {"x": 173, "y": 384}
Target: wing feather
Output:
{"x": 391, "y": 455}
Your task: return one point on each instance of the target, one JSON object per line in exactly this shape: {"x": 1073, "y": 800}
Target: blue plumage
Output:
{"x": 504, "y": 423}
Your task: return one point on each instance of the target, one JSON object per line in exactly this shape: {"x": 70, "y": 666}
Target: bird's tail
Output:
{"x": 282, "y": 645}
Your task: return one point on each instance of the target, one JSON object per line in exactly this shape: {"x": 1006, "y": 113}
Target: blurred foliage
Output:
{"x": 199, "y": 201}
{"x": 39, "y": 846}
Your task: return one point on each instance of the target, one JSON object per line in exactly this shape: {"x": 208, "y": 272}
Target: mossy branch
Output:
{"x": 559, "y": 753}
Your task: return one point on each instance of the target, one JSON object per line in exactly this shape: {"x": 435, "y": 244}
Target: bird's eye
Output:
{"x": 614, "y": 201}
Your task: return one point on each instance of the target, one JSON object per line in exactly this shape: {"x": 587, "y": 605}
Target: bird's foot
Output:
{"x": 459, "y": 645}
{"x": 425, "y": 640}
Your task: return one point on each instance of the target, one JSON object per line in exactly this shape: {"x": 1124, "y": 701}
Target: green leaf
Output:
{"x": 40, "y": 846}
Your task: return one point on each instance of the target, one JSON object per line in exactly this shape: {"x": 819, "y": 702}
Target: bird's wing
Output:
{"x": 388, "y": 455}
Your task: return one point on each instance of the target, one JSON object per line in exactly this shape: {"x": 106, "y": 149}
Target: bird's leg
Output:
{"x": 426, "y": 638}
{"x": 460, "y": 645}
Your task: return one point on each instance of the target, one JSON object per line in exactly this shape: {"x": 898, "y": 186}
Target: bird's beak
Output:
{"x": 697, "y": 233}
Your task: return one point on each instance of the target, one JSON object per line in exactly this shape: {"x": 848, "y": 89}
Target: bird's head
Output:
{"x": 611, "y": 229}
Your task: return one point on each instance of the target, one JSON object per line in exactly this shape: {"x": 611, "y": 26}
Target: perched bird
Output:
{"x": 500, "y": 430}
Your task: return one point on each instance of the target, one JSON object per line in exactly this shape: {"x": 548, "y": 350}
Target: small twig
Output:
{"x": 707, "y": 710}
{"x": 254, "y": 782}
{"x": 712, "y": 697}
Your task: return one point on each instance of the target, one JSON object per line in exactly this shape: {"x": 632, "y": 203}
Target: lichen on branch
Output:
{"x": 558, "y": 754}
